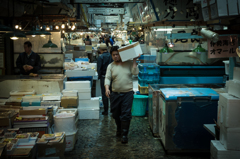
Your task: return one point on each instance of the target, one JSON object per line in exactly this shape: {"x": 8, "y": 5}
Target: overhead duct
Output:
{"x": 106, "y": 10}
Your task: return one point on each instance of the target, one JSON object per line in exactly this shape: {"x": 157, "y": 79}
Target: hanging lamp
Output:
{"x": 199, "y": 49}
{"x": 43, "y": 32}
{"x": 14, "y": 35}
{"x": 166, "y": 49}
{"x": 33, "y": 32}
{"x": 50, "y": 44}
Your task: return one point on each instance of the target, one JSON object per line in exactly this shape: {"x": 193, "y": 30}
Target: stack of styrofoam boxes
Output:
{"x": 229, "y": 122}
{"x": 88, "y": 107}
{"x": 51, "y": 99}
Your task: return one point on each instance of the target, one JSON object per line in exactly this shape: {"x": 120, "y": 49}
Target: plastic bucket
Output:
{"x": 64, "y": 123}
{"x": 139, "y": 105}
{"x": 71, "y": 139}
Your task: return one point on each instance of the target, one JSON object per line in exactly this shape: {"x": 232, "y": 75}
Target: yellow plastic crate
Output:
{"x": 142, "y": 89}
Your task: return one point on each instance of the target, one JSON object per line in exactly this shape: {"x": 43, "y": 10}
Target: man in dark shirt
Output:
{"x": 28, "y": 61}
{"x": 103, "y": 61}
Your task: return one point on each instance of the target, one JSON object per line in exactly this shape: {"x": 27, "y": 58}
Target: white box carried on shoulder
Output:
{"x": 234, "y": 88}
{"x": 77, "y": 85}
{"x": 229, "y": 108}
{"x": 236, "y": 72}
{"x": 230, "y": 138}
{"x": 130, "y": 51}
{"x": 218, "y": 151}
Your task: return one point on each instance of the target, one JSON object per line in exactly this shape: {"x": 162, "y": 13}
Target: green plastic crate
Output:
{"x": 139, "y": 105}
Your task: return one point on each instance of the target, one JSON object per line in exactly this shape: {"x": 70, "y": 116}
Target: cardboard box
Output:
{"x": 52, "y": 149}
{"x": 236, "y": 71}
{"x": 234, "y": 88}
{"x": 130, "y": 51}
{"x": 51, "y": 103}
{"x": 69, "y": 102}
{"x": 229, "y": 108}
{"x": 230, "y": 138}
{"x": 76, "y": 85}
{"x": 33, "y": 112}
{"x": 15, "y": 108}
{"x": 5, "y": 121}
{"x": 214, "y": 10}
{"x": 218, "y": 151}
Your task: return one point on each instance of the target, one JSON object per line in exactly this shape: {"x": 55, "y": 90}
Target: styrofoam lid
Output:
{"x": 64, "y": 115}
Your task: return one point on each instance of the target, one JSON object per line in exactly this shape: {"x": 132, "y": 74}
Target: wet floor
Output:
{"x": 97, "y": 140}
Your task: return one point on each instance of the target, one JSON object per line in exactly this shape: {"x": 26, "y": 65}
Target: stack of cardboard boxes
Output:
{"x": 229, "y": 122}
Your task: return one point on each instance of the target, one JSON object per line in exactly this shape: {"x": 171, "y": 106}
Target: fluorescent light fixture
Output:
{"x": 14, "y": 38}
{"x": 162, "y": 29}
{"x": 33, "y": 36}
{"x": 42, "y": 35}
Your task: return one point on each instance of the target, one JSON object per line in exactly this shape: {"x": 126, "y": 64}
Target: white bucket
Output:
{"x": 71, "y": 139}
{"x": 226, "y": 67}
{"x": 64, "y": 123}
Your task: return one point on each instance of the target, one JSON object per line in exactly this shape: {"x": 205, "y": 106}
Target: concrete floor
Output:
{"x": 97, "y": 140}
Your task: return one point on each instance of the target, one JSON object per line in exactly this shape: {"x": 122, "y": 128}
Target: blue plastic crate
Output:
{"x": 81, "y": 59}
{"x": 144, "y": 82}
{"x": 149, "y": 76}
{"x": 149, "y": 67}
{"x": 148, "y": 57}
{"x": 139, "y": 105}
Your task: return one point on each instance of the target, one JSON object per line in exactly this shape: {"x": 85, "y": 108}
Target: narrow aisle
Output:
{"x": 97, "y": 140}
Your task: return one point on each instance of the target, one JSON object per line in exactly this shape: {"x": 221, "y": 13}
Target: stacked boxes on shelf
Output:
{"x": 229, "y": 122}
{"x": 149, "y": 73}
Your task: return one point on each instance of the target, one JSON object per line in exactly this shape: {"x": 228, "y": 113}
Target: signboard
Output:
{"x": 225, "y": 47}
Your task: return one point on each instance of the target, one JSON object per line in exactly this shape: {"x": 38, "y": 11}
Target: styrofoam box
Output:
{"x": 236, "y": 72}
{"x": 77, "y": 85}
{"x": 130, "y": 51}
{"x": 218, "y": 151}
{"x": 84, "y": 95}
{"x": 72, "y": 110}
{"x": 52, "y": 98}
{"x": 51, "y": 103}
{"x": 22, "y": 93}
{"x": 88, "y": 113}
{"x": 70, "y": 93}
{"x": 79, "y": 73}
{"x": 229, "y": 107}
{"x": 35, "y": 108}
{"x": 31, "y": 98}
{"x": 234, "y": 88}
{"x": 227, "y": 86}
{"x": 219, "y": 114}
{"x": 71, "y": 139}
{"x": 93, "y": 102}
{"x": 230, "y": 138}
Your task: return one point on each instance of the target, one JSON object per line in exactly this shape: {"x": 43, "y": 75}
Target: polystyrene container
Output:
{"x": 71, "y": 110}
{"x": 22, "y": 93}
{"x": 226, "y": 67}
{"x": 65, "y": 123}
{"x": 71, "y": 139}
{"x": 139, "y": 105}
